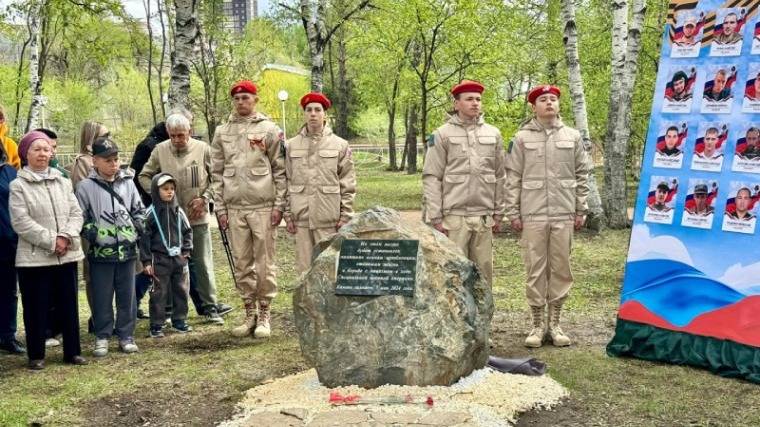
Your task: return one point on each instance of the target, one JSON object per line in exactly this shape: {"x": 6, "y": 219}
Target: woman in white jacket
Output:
{"x": 47, "y": 218}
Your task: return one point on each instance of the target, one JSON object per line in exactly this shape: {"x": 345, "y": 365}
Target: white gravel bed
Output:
{"x": 484, "y": 398}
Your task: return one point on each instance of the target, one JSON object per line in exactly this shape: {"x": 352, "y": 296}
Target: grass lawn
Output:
{"x": 196, "y": 379}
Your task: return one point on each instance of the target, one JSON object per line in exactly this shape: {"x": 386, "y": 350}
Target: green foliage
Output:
{"x": 370, "y": 123}
{"x": 70, "y": 102}
{"x": 271, "y": 82}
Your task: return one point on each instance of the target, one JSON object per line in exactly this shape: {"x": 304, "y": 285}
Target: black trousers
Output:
{"x": 8, "y": 299}
{"x": 41, "y": 286}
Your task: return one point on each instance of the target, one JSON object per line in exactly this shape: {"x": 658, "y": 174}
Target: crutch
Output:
{"x": 227, "y": 249}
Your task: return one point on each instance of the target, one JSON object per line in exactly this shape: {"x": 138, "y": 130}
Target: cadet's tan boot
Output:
{"x": 559, "y": 338}
{"x": 536, "y": 336}
{"x": 249, "y": 322}
{"x": 263, "y": 330}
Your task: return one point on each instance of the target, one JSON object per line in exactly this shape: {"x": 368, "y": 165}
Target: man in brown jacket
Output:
{"x": 463, "y": 178}
{"x": 321, "y": 181}
{"x": 547, "y": 174}
{"x": 189, "y": 162}
{"x": 248, "y": 182}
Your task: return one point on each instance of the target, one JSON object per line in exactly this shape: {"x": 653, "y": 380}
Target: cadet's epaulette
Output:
{"x": 431, "y": 140}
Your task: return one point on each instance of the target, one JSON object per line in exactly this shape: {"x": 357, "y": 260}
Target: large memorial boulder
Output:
{"x": 434, "y": 337}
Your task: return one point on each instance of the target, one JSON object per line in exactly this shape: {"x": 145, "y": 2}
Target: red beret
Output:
{"x": 243, "y": 86}
{"x": 541, "y": 90}
{"x": 467, "y": 86}
{"x": 315, "y": 97}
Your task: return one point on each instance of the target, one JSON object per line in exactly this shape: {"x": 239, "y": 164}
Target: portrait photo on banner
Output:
{"x": 670, "y": 144}
{"x": 718, "y": 95}
{"x": 740, "y": 215}
{"x": 661, "y": 200}
{"x": 756, "y": 36}
{"x": 709, "y": 146}
{"x": 747, "y": 151}
{"x": 699, "y": 206}
{"x": 751, "y": 102}
{"x": 687, "y": 37}
{"x": 727, "y": 33}
{"x": 679, "y": 89}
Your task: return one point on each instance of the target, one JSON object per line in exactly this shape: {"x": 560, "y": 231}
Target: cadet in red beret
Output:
{"x": 463, "y": 178}
{"x": 248, "y": 179}
{"x": 321, "y": 181}
{"x": 541, "y": 90}
{"x": 243, "y": 86}
{"x": 547, "y": 187}
{"x": 467, "y": 86}
{"x": 315, "y": 97}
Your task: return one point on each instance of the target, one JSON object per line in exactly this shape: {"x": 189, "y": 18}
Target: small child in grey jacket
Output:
{"x": 164, "y": 252}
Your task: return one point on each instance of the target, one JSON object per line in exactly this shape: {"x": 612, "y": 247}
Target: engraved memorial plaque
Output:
{"x": 377, "y": 267}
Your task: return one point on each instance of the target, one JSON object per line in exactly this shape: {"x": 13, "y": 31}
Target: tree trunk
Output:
{"x": 184, "y": 40}
{"x": 411, "y": 140}
{"x": 146, "y": 5}
{"x": 392, "y": 138}
{"x": 19, "y": 80}
{"x": 161, "y": 63}
{"x": 313, "y": 15}
{"x": 343, "y": 90}
{"x": 405, "y": 150}
{"x": 552, "y": 41}
{"x": 35, "y": 86}
{"x": 423, "y": 122}
{"x": 595, "y": 219}
{"x": 626, "y": 42}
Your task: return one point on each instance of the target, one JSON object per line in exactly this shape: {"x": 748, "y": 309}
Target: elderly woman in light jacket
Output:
{"x": 47, "y": 218}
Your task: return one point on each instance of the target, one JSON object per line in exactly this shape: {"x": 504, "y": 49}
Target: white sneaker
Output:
{"x": 52, "y": 342}
{"x": 101, "y": 348}
{"x": 128, "y": 345}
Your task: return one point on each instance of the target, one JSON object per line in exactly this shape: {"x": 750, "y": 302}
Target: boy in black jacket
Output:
{"x": 164, "y": 251}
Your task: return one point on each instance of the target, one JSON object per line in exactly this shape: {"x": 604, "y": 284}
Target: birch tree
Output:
{"x": 185, "y": 35}
{"x": 313, "y": 15}
{"x": 577, "y": 95}
{"x": 35, "y": 84}
{"x": 626, "y": 43}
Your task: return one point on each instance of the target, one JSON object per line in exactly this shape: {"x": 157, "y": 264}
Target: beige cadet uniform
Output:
{"x": 321, "y": 188}
{"x": 463, "y": 183}
{"x": 547, "y": 174}
{"x": 248, "y": 182}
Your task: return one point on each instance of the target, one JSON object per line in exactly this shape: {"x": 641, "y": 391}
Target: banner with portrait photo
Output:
{"x": 691, "y": 290}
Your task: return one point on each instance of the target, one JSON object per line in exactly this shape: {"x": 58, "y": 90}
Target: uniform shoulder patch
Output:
{"x": 430, "y": 140}
{"x": 510, "y": 145}
{"x": 283, "y": 149}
